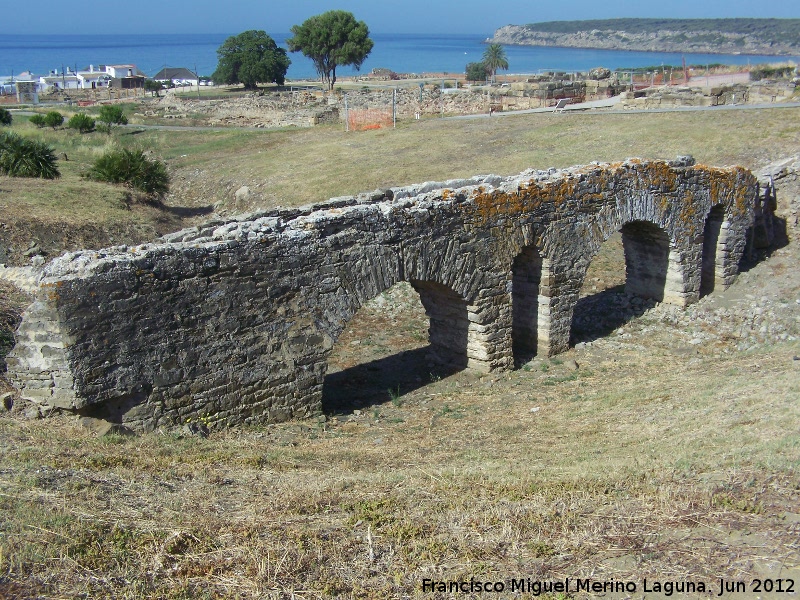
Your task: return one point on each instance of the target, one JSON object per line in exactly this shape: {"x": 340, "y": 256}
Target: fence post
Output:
{"x": 346, "y": 116}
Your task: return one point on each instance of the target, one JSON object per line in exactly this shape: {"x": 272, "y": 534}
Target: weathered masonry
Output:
{"x": 237, "y": 319}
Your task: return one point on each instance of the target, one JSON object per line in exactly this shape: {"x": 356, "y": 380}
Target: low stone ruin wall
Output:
{"x": 675, "y": 96}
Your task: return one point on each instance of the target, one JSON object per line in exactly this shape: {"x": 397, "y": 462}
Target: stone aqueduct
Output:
{"x": 237, "y": 319}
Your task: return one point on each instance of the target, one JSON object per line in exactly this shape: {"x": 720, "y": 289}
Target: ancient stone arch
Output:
{"x": 236, "y": 319}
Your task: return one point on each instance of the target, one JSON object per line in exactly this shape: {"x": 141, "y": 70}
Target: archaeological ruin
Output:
{"x": 236, "y": 319}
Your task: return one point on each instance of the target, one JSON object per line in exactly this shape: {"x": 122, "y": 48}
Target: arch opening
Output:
{"x": 646, "y": 248}
{"x": 613, "y": 294}
{"x": 526, "y": 282}
{"x": 449, "y": 324}
{"x": 410, "y": 335}
{"x": 711, "y": 237}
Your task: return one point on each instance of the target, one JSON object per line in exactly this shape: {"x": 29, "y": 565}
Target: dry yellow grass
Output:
{"x": 295, "y": 167}
{"x": 635, "y": 466}
{"x": 653, "y": 459}
{"x": 299, "y": 167}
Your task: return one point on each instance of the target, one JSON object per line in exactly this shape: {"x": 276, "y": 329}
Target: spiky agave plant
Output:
{"x": 132, "y": 168}
{"x": 20, "y": 157}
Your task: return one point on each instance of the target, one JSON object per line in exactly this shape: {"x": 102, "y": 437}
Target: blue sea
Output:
{"x": 403, "y": 53}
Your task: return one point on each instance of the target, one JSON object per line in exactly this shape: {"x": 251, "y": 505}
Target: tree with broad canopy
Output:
{"x": 250, "y": 58}
{"x": 332, "y": 39}
{"x": 476, "y": 71}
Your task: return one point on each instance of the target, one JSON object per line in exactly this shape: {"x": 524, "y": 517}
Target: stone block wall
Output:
{"x": 236, "y": 319}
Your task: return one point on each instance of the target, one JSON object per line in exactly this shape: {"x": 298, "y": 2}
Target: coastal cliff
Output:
{"x": 778, "y": 37}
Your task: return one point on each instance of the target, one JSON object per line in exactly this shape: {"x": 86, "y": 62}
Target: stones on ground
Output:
{"x": 32, "y": 411}
{"x": 196, "y": 429}
{"x": 242, "y": 194}
{"x": 102, "y": 428}
{"x": 599, "y": 73}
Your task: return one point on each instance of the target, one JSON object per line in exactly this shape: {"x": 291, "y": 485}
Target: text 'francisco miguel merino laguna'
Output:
{"x": 567, "y": 585}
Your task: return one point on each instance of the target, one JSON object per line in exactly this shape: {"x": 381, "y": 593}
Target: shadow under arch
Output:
{"x": 409, "y": 357}
{"x": 645, "y": 251}
{"x": 711, "y": 261}
{"x": 646, "y": 248}
{"x": 526, "y": 282}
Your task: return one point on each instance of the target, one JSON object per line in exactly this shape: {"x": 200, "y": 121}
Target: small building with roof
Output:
{"x": 177, "y": 76}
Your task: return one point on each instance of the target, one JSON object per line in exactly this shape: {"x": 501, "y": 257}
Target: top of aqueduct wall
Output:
{"x": 484, "y": 197}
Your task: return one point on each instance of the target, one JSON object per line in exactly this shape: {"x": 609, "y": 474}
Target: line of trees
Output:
{"x": 330, "y": 40}
{"x": 109, "y": 116}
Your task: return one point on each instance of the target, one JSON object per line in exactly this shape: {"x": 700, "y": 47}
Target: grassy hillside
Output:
{"x": 296, "y": 167}
{"x": 667, "y": 449}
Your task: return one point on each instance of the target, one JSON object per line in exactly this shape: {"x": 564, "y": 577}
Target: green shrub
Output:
{"x": 153, "y": 86}
{"x": 37, "y": 120}
{"x": 82, "y": 122}
{"x": 5, "y": 117}
{"x": 476, "y": 71}
{"x": 760, "y": 72}
{"x": 111, "y": 115}
{"x": 132, "y": 168}
{"x": 20, "y": 157}
{"x": 54, "y": 119}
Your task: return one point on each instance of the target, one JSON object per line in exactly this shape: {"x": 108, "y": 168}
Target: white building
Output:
{"x": 120, "y": 71}
{"x": 177, "y": 76}
{"x": 92, "y": 79}
{"x": 60, "y": 81}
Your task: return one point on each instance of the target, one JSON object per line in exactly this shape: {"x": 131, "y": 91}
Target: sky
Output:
{"x": 408, "y": 16}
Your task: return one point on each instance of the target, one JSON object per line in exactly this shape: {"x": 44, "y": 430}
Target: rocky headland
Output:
{"x": 778, "y": 37}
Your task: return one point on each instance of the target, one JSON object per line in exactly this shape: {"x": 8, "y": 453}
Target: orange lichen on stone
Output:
{"x": 661, "y": 176}
{"x": 527, "y": 197}
{"x": 719, "y": 185}
{"x": 688, "y": 213}
{"x": 496, "y": 202}
{"x": 742, "y": 189}
{"x": 741, "y": 200}
{"x": 727, "y": 186}
{"x": 664, "y": 203}
{"x": 591, "y": 186}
